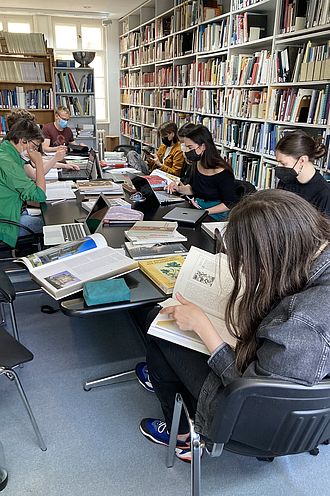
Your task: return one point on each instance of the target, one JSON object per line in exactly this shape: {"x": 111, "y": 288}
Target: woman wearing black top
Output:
{"x": 212, "y": 182}
{"x": 295, "y": 153}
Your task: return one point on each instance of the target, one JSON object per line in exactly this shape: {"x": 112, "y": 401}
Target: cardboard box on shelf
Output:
{"x": 111, "y": 142}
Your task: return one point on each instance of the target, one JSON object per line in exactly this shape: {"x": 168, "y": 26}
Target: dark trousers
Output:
{"x": 175, "y": 369}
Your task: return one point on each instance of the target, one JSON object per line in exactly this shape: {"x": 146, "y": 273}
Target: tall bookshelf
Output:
{"x": 74, "y": 88}
{"x": 182, "y": 61}
{"x": 26, "y": 69}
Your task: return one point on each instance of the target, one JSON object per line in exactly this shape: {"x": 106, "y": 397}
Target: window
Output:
{"x": 66, "y": 37}
{"x": 85, "y": 35}
{"x": 19, "y": 27}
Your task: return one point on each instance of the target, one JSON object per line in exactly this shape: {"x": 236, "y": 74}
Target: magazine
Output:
{"x": 62, "y": 270}
{"x": 205, "y": 280}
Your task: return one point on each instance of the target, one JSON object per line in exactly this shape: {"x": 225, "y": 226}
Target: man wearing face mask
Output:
{"x": 57, "y": 135}
{"x": 169, "y": 156}
{"x": 23, "y": 139}
{"x": 295, "y": 153}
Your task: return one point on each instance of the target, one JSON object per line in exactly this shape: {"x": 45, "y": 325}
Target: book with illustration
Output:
{"x": 205, "y": 280}
{"x": 63, "y": 270}
{"x": 163, "y": 271}
{"x": 144, "y": 252}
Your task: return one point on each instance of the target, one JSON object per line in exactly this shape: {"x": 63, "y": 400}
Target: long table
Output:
{"x": 144, "y": 293}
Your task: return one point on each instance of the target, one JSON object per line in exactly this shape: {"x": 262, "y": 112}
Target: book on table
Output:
{"x": 99, "y": 186}
{"x": 163, "y": 271}
{"x": 210, "y": 227}
{"x": 63, "y": 270}
{"x": 122, "y": 215}
{"x": 144, "y": 252}
{"x": 205, "y": 280}
{"x": 152, "y": 232}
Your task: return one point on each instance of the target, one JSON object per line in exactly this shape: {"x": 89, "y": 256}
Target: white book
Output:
{"x": 59, "y": 190}
{"x": 210, "y": 227}
{"x": 63, "y": 270}
{"x": 205, "y": 280}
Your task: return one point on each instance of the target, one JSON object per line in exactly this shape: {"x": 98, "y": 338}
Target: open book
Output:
{"x": 63, "y": 270}
{"x": 205, "y": 280}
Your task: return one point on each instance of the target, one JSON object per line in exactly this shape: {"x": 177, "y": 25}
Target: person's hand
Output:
{"x": 61, "y": 148}
{"x": 70, "y": 166}
{"x": 155, "y": 160}
{"x": 188, "y": 316}
{"x": 172, "y": 187}
{"x": 35, "y": 156}
{"x": 60, "y": 154}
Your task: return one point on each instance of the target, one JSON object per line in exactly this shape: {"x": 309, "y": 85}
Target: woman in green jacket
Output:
{"x": 22, "y": 140}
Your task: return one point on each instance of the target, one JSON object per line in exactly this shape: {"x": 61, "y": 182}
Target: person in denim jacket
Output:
{"x": 278, "y": 244}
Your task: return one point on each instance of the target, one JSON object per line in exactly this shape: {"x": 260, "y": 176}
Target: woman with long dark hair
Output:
{"x": 279, "y": 258}
{"x": 212, "y": 182}
{"x": 296, "y": 153}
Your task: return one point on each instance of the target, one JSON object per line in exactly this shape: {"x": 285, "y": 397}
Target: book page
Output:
{"x": 206, "y": 281}
{"x": 65, "y": 250}
{"x": 94, "y": 264}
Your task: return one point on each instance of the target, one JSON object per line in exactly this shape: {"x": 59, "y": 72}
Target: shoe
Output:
{"x": 142, "y": 375}
{"x": 155, "y": 430}
{"x": 184, "y": 454}
{"x": 3, "y": 478}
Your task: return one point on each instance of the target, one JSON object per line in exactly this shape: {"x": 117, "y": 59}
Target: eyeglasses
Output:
{"x": 63, "y": 118}
{"x": 36, "y": 145}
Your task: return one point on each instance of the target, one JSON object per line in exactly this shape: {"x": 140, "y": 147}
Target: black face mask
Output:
{"x": 166, "y": 141}
{"x": 192, "y": 156}
{"x": 286, "y": 175}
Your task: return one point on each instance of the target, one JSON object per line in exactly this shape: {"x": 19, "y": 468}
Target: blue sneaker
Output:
{"x": 156, "y": 431}
{"x": 142, "y": 375}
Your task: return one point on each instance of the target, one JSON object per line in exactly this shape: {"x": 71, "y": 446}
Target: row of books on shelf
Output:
{"x": 250, "y": 104}
{"x": 164, "y": 26}
{"x": 68, "y": 82}
{"x": 243, "y": 69}
{"x": 249, "y": 26}
{"x": 211, "y": 72}
{"x": 187, "y": 15}
{"x": 83, "y": 130}
{"x": 3, "y": 125}
{"x": 243, "y": 134}
{"x": 301, "y": 14}
{"x": 21, "y": 43}
{"x": 212, "y": 36}
{"x": 300, "y": 105}
{"x": 245, "y": 167}
{"x": 37, "y": 98}
{"x": 78, "y": 106}
{"x": 11, "y": 70}
{"x": 308, "y": 63}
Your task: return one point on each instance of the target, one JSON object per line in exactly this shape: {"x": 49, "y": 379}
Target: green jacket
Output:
{"x": 15, "y": 188}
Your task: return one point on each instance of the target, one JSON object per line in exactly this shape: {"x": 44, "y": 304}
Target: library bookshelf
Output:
{"x": 26, "y": 77}
{"x": 248, "y": 70}
{"x": 74, "y": 88}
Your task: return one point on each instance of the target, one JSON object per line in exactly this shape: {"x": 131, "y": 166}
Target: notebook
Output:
{"x": 142, "y": 185}
{"x": 186, "y": 215}
{"x": 82, "y": 174}
{"x": 61, "y": 233}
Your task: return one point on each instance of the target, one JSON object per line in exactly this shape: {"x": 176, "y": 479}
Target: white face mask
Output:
{"x": 24, "y": 155}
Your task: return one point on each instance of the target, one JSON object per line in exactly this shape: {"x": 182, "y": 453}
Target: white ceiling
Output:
{"x": 90, "y": 8}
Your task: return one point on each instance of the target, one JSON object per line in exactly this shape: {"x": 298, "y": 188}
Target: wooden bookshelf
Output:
{"x": 169, "y": 62}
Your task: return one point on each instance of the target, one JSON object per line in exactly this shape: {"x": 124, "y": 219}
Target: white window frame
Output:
{"x": 17, "y": 18}
{"x": 89, "y": 23}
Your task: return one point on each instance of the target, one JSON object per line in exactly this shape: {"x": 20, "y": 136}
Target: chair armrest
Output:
{"x": 17, "y": 224}
{"x": 7, "y": 290}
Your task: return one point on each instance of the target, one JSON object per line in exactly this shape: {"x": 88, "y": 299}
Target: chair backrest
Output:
{"x": 123, "y": 148}
{"x": 274, "y": 418}
{"x": 243, "y": 188}
{"x": 7, "y": 290}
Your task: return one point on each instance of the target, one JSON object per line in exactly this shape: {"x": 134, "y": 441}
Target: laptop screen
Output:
{"x": 91, "y": 161}
{"x": 95, "y": 216}
{"x": 142, "y": 185}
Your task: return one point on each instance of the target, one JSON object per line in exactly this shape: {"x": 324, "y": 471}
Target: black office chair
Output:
{"x": 243, "y": 188}
{"x": 263, "y": 418}
{"x": 124, "y": 148}
{"x": 7, "y": 297}
{"x": 12, "y": 354}
{"x": 32, "y": 241}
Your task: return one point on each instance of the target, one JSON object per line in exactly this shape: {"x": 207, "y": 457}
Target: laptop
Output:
{"x": 142, "y": 185}
{"x": 189, "y": 216}
{"x": 61, "y": 233}
{"x": 84, "y": 173}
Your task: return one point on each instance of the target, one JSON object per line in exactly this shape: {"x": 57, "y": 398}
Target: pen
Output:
{"x": 58, "y": 201}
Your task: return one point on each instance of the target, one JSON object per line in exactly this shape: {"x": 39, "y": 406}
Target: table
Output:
{"x": 144, "y": 293}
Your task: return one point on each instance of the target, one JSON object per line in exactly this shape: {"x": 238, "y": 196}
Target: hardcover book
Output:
{"x": 163, "y": 271}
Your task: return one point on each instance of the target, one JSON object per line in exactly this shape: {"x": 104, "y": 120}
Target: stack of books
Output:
{"x": 91, "y": 188}
{"x": 154, "y": 232}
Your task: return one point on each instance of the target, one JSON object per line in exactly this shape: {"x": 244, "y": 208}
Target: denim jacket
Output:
{"x": 293, "y": 343}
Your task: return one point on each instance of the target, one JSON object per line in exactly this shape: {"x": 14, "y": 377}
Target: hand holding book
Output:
{"x": 190, "y": 317}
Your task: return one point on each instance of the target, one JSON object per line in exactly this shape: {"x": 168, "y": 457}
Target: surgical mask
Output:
{"x": 192, "y": 156}
{"x": 166, "y": 141}
{"x": 25, "y": 156}
{"x": 63, "y": 123}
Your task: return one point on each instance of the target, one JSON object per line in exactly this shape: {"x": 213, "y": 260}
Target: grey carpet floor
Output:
{"x": 94, "y": 444}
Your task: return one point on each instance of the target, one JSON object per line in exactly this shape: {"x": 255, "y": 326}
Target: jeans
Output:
{"x": 34, "y": 222}
{"x": 175, "y": 369}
